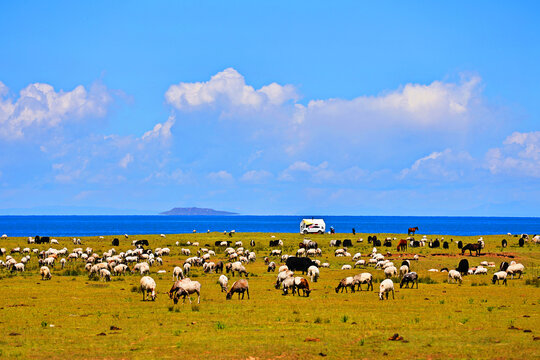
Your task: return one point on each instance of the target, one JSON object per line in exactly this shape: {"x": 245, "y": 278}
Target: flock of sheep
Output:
{"x": 140, "y": 260}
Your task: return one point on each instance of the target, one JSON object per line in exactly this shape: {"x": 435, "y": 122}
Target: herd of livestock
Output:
{"x": 140, "y": 258}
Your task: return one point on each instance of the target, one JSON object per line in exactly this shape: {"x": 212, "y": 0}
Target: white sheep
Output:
{"x": 455, "y": 276}
{"x": 313, "y": 273}
{"x": 480, "y": 270}
{"x": 386, "y": 286}
{"x": 224, "y": 282}
{"x": 325, "y": 265}
{"x": 177, "y": 272}
{"x": 18, "y": 267}
{"x": 187, "y": 288}
{"x": 45, "y": 273}
{"x": 187, "y": 268}
{"x": 346, "y": 267}
{"x": 281, "y": 276}
{"x": 287, "y": 284}
{"x": 390, "y": 271}
{"x": 148, "y": 286}
{"x": 120, "y": 269}
{"x": 515, "y": 269}
{"x": 360, "y": 263}
{"x": 356, "y": 256}
{"x": 403, "y": 270}
{"x": 499, "y": 275}
{"x": 105, "y": 275}
{"x": 363, "y": 278}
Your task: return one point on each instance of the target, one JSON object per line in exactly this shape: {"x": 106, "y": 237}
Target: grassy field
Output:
{"x": 72, "y": 316}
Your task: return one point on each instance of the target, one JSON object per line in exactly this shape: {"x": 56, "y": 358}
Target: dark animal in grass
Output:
{"x": 459, "y": 244}
{"x": 252, "y": 243}
{"x": 435, "y": 244}
{"x": 347, "y": 243}
{"x": 116, "y": 242}
{"x": 240, "y": 287}
{"x": 299, "y": 264}
{"x": 219, "y": 267}
{"x": 504, "y": 265}
{"x": 376, "y": 242}
{"x": 402, "y": 245}
{"x": 477, "y": 248}
{"x": 406, "y": 263}
{"x": 387, "y": 243}
{"x": 445, "y": 245}
{"x": 274, "y": 243}
{"x": 410, "y": 277}
{"x": 521, "y": 242}
{"x": 412, "y": 230}
{"x": 444, "y": 269}
{"x": 504, "y": 243}
{"x": 415, "y": 243}
{"x": 141, "y": 243}
{"x": 463, "y": 267}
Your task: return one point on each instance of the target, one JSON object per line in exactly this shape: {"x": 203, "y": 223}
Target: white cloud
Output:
{"x": 228, "y": 90}
{"x": 125, "y": 161}
{"x": 436, "y": 104}
{"x": 446, "y": 165}
{"x": 220, "y": 176}
{"x": 256, "y": 176}
{"x": 519, "y": 156}
{"x": 40, "y": 105}
{"x": 161, "y": 131}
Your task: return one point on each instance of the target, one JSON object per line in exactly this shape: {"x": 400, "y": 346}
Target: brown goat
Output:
{"x": 239, "y": 286}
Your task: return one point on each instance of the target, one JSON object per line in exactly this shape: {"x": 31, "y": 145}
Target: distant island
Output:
{"x": 196, "y": 211}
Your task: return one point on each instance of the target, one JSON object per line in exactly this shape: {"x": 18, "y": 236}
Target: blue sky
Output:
{"x": 354, "y": 108}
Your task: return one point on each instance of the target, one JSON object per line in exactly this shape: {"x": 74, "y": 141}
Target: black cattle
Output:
{"x": 504, "y": 243}
{"x": 347, "y": 243}
{"x": 42, "y": 239}
{"x": 435, "y": 244}
{"x": 459, "y": 244}
{"x": 335, "y": 243}
{"x": 376, "y": 242}
{"x": 445, "y": 245}
{"x": 116, "y": 242}
{"x": 388, "y": 243}
{"x": 463, "y": 267}
{"x": 274, "y": 243}
{"x": 369, "y": 239}
{"x": 299, "y": 263}
{"x": 141, "y": 243}
{"x": 415, "y": 243}
{"x": 521, "y": 242}
{"x": 504, "y": 266}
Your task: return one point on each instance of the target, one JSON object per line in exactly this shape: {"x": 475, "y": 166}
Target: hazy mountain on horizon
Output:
{"x": 196, "y": 211}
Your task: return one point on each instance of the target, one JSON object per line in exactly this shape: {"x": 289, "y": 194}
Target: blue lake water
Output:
{"x": 156, "y": 224}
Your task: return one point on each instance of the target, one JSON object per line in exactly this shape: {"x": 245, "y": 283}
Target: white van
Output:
{"x": 312, "y": 226}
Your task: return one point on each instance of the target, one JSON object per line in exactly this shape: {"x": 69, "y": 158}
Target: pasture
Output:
{"x": 72, "y": 315}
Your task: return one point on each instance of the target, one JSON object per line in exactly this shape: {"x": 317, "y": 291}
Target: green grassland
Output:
{"x": 71, "y": 316}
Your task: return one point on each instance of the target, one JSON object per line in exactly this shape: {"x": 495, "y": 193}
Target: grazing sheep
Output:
{"x": 325, "y": 265}
{"x": 241, "y": 286}
{"x": 515, "y": 269}
{"x": 346, "y": 267}
{"x": 404, "y": 269}
{"x": 177, "y": 272}
{"x": 283, "y": 268}
{"x": 18, "y": 267}
{"x": 410, "y": 277}
{"x": 480, "y": 270}
{"x": 282, "y": 276}
{"x": 186, "y": 289}
{"x": 455, "y": 276}
{"x": 105, "y": 275}
{"x": 313, "y": 273}
{"x": 499, "y": 275}
{"x": 148, "y": 287}
{"x": 120, "y": 269}
{"x": 54, "y": 241}
{"x": 386, "y": 286}
{"x": 390, "y": 271}
{"x": 224, "y": 282}
{"x": 287, "y": 284}
{"x": 363, "y": 278}
{"x": 348, "y": 282}
{"x": 45, "y": 273}
{"x": 238, "y": 267}
{"x": 271, "y": 267}
{"x": 143, "y": 268}
{"x": 360, "y": 263}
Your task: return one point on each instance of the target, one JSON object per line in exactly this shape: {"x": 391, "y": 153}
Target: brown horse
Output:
{"x": 412, "y": 230}
{"x": 402, "y": 245}
{"x": 472, "y": 247}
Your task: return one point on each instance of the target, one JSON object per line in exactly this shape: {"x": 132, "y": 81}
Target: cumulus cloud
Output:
{"x": 519, "y": 155}
{"x": 227, "y": 90}
{"x": 39, "y": 104}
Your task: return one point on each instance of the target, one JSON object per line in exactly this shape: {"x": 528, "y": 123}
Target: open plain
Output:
{"x": 75, "y": 316}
